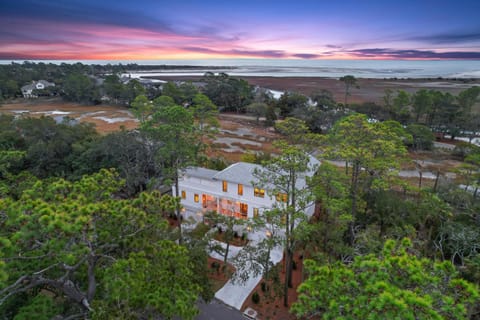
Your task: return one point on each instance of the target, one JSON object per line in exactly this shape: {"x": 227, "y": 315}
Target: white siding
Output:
{"x": 203, "y": 184}
{"x": 194, "y": 185}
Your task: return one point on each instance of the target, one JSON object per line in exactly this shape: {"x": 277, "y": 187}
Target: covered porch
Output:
{"x": 226, "y": 206}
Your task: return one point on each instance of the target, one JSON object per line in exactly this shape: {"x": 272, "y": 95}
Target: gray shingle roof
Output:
{"x": 32, "y": 86}
{"x": 28, "y": 87}
{"x": 240, "y": 172}
{"x": 200, "y": 172}
{"x": 46, "y": 83}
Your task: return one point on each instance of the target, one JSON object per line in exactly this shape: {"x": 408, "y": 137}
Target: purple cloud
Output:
{"x": 236, "y": 52}
{"x": 467, "y": 37}
{"x": 306, "y": 55}
{"x": 333, "y": 46}
{"x": 413, "y": 54}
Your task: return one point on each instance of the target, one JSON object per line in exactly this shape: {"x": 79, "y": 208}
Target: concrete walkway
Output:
{"x": 234, "y": 293}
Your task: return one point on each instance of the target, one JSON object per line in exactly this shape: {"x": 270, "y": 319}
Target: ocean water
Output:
{"x": 309, "y": 68}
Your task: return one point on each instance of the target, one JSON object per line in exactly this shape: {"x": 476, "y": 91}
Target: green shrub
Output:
{"x": 41, "y": 307}
{"x": 215, "y": 265}
{"x": 255, "y": 297}
{"x": 264, "y": 286}
{"x": 200, "y": 230}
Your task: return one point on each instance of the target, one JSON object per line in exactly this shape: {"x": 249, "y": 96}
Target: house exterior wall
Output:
{"x": 27, "y": 91}
{"x": 203, "y": 190}
{"x": 211, "y": 191}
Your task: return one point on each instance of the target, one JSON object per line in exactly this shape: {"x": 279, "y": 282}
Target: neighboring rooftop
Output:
{"x": 46, "y": 83}
{"x": 40, "y": 84}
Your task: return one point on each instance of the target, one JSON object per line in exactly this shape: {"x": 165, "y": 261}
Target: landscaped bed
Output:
{"x": 217, "y": 274}
{"x": 270, "y": 304}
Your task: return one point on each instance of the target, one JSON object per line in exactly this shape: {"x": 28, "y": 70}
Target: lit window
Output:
{"x": 196, "y": 197}
{"x": 184, "y": 194}
{"x": 255, "y": 212}
{"x": 257, "y": 192}
{"x": 224, "y": 186}
{"x": 240, "y": 189}
{"x": 244, "y": 209}
{"x": 283, "y": 197}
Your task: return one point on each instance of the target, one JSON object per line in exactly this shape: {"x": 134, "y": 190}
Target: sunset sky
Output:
{"x": 179, "y": 29}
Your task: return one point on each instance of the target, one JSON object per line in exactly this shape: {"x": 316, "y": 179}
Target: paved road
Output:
{"x": 216, "y": 310}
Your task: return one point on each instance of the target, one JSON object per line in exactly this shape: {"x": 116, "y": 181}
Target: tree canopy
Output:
{"x": 85, "y": 252}
{"x": 393, "y": 285}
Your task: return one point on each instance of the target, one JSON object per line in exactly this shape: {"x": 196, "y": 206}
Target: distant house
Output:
{"x": 28, "y": 90}
{"x": 124, "y": 79}
{"x": 231, "y": 191}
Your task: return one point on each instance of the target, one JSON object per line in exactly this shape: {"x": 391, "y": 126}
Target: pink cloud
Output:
{"x": 37, "y": 39}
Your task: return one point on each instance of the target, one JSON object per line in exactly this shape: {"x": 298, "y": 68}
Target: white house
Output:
{"x": 27, "y": 90}
{"x": 231, "y": 191}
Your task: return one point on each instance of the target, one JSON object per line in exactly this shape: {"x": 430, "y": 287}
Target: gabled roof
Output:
{"x": 240, "y": 172}
{"x": 28, "y": 87}
{"x": 46, "y": 83}
{"x": 198, "y": 172}
{"x": 32, "y": 86}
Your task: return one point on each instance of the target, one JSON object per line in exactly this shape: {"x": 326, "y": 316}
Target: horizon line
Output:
{"x": 241, "y": 58}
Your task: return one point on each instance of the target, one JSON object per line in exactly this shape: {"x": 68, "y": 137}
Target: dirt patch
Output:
{"x": 432, "y": 161}
{"x": 238, "y": 134}
{"x": 415, "y": 182}
{"x": 106, "y": 118}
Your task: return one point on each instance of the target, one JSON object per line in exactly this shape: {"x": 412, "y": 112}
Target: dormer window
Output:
{"x": 224, "y": 186}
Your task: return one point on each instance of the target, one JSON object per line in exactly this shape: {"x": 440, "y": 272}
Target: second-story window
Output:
{"x": 257, "y": 192}
{"x": 224, "y": 186}
{"x": 283, "y": 197}
{"x": 240, "y": 189}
